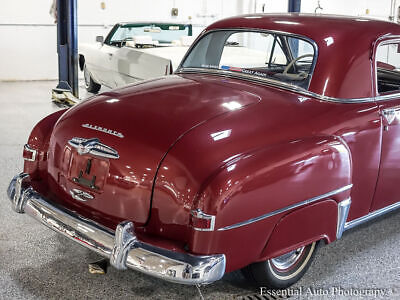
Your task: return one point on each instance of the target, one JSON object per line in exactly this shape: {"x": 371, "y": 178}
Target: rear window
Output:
{"x": 272, "y": 56}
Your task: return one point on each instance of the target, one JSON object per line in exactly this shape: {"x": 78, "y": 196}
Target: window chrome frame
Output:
{"x": 383, "y": 40}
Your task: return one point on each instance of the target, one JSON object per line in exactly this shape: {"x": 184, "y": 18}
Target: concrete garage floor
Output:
{"x": 36, "y": 263}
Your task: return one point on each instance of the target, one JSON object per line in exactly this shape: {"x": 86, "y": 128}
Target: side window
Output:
{"x": 388, "y": 67}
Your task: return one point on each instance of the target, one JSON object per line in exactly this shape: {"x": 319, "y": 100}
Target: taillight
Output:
{"x": 29, "y": 154}
{"x": 201, "y": 221}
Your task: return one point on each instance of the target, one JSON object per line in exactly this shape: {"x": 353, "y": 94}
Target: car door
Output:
{"x": 123, "y": 65}
{"x": 104, "y": 61}
{"x": 387, "y": 67}
{"x": 131, "y": 64}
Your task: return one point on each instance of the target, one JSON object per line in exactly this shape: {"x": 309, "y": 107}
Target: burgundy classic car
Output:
{"x": 275, "y": 133}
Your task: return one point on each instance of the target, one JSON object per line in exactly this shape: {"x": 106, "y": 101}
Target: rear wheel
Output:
{"x": 282, "y": 271}
{"x": 90, "y": 85}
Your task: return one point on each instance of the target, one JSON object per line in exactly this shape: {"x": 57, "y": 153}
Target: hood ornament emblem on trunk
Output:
{"x": 93, "y": 146}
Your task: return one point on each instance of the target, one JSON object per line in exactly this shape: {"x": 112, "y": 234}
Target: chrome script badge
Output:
{"x": 102, "y": 129}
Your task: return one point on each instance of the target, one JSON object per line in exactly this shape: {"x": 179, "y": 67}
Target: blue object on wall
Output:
{"x": 67, "y": 47}
{"x": 294, "y": 6}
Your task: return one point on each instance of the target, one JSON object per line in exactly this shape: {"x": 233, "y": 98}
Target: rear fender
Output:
{"x": 301, "y": 227}
{"x": 252, "y": 185}
{"x": 39, "y": 140}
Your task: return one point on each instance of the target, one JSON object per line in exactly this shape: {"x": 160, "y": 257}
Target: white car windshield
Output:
{"x": 279, "y": 57}
{"x": 159, "y": 33}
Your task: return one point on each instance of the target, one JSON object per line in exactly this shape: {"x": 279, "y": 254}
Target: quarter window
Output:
{"x": 388, "y": 67}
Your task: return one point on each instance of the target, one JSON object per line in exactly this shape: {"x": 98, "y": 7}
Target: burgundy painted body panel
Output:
{"x": 308, "y": 216}
{"x": 389, "y": 173}
{"x": 185, "y": 148}
{"x": 178, "y": 102}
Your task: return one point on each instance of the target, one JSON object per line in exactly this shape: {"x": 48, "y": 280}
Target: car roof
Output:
{"x": 153, "y": 23}
{"x": 345, "y": 44}
{"x": 314, "y": 26}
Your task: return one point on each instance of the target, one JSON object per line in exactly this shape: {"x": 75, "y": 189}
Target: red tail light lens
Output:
{"x": 201, "y": 221}
{"x": 29, "y": 154}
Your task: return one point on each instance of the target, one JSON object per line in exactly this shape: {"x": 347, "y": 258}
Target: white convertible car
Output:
{"x": 132, "y": 52}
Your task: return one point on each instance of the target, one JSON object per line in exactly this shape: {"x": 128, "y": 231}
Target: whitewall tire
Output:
{"x": 283, "y": 271}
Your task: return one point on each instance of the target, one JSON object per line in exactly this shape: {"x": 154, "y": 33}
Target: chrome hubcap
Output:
{"x": 287, "y": 260}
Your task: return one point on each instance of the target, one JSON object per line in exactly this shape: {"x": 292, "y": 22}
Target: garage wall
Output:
{"x": 365, "y": 8}
{"x": 28, "y": 33}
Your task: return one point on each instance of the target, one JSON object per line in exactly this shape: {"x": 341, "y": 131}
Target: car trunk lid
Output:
{"x": 104, "y": 153}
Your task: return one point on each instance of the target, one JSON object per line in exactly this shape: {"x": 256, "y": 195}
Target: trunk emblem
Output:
{"x": 80, "y": 195}
{"x": 93, "y": 146}
{"x": 102, "y": 129}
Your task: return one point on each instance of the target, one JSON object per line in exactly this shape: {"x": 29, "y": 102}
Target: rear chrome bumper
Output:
{"x": 121, "y": 247}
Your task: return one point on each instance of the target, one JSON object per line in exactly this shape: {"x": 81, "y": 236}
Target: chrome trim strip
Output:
{"x": 280, "y": 85}
{"x": 387, "y": 97}
{"x": 290, "y": 207}
{"x": 371, "y": 215}
{"x": 123, "y": 248}
{"x": 343, "y": 212}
